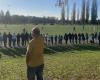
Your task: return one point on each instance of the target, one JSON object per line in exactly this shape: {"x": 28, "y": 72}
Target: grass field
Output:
{"x": 61, "y": 63}
{"x": 51, "y": 29}
{"x": 78, "y": 62}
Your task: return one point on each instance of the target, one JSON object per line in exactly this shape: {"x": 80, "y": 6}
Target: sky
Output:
{"x": 39, "y": 8}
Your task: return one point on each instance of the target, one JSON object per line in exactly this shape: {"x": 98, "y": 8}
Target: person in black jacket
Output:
{"x": 23, "y": 39}
{"x": 76, "y": 37}
{"x": 87, "y": 37}
{"x": 73, "y": 37}
{"x": 99, "y": 38}
{"x": 70, "y": 37}
{"x": 5, "y": 39}
{"x": 79, "y": 37}
{"x": 51, "y": 39}
{"x": 18, "y": 39}
{"x": 56, "y": 39}
{"x": 26, "y": 38}
{"x": 66, "y": 38}
{"x": 93, "y": 37}
{"x": 10, "y": 39}
{"x": 83, "y": 38}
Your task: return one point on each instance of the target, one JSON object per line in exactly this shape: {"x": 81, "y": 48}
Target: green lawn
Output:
{"x": 51, "y": 29}
{"x": 61, "y": 63}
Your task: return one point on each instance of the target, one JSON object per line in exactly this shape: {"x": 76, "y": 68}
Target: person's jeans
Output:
{"x": 36, "y": 71}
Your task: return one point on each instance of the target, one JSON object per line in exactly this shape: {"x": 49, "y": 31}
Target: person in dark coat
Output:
{"x": 26, "y": 38}
{"x": 83, "y": 38}
{"x": 93, "y": 37}
{"x": 10, "y": 39}
{"x": 5, "y": 39}
{"x": 79, "y": 38}
{"x": 22, "y": 39}
{"x": 99, "y": 38}
{"x": 51, "y": 39}
{"x": 56, "y": 39}
{"x": 66, "y": 38}
{"x": 76, "y": 38}
{"x": 70, "y": 37}
{"x": 18, "y": 39}
{"x": 96, "y": 36}
{"x": 87, "y": 37}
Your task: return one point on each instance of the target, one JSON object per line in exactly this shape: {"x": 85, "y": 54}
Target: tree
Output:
{"x": 83, "y": 12}
{"x": 77, "y": 14}
{"x": 63, "y": 15}
{"x": 67, "y": 11}
{"x": 1, "y": 16}
{"x": 94, "y": 12}
{"x": 87, "y": 11}
{"x": 7, "y": 17}
{"x": 74, "y": 13}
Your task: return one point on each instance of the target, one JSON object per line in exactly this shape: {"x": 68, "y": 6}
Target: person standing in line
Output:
{"x": 99, "y": 38}
{"x": 26, "y": 38}
{"x": 1, "y": 39}
{"x": 5, "y": 39}
{"x": 10, "y": 39}
{"x": 56, "y": 39}
{"x": 22, "y": 39}
{"x": 18, "y": 40}
{"x": 87, "y": 37}
{"x": 66, "y": 38}
{"x": 14, "y": 39}
{"x": 34, "y": 56}
{"x": 51, "y": 39}
{"x": 76, "y": 37}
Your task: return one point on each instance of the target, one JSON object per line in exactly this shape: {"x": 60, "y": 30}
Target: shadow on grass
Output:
{"x": 13, "y": 52}
{"x": 50, "y": 50}
{"x": 74, "y": 48}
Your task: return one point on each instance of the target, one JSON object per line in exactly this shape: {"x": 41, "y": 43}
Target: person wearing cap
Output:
{"x": 34, "y": 56}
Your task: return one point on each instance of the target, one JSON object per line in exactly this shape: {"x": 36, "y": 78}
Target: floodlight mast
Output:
{"x": 62, "y": 4}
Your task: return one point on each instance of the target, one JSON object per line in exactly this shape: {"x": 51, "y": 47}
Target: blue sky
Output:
{"x": 38, "y": 7}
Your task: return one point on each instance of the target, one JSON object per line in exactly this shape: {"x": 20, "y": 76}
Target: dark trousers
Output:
{"x": 36, "y": 71}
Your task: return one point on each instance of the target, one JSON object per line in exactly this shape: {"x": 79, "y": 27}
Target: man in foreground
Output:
{"x": 34, "y": 56}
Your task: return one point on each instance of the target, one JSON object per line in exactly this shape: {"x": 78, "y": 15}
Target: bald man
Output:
{"x": 34, "y": 56}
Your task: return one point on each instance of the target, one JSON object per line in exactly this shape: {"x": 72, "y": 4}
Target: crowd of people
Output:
{"x": 15, "y": 40}
{"x": 22, "y": 39}
{"x": 72, "y": 38}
